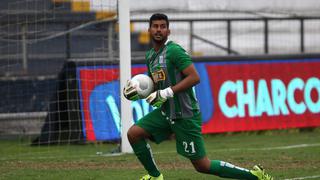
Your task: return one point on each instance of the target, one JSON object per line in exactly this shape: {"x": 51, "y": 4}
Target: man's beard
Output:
{"x": 158, "y": 41}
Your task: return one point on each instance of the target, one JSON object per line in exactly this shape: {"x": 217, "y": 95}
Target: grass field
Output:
{"x": 285, "y": 154}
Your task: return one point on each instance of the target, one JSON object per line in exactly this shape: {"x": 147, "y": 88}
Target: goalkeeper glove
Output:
{"x": 159, "y": 97}
{"x": 130, "y": 91}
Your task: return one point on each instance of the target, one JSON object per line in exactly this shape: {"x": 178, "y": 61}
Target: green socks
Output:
{"x": 219, "y": 168}
{"x": 227, "y": 170}
{"x": 143, "y": 151}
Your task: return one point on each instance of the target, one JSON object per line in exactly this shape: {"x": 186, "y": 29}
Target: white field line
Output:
{"x": 265, "y": 149}
{"x": 107, "y": 154}
{"x": 232, "y": 149}
{"x": 255, "y": 149}
{"x": 307, "y": 177}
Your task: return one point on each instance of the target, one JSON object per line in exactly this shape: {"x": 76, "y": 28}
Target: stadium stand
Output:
{"x": 49, "y": 45}
{"x": 56, "y": 32}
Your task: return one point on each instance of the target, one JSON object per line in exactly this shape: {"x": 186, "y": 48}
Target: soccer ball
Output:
{"x": 144, "y": 85}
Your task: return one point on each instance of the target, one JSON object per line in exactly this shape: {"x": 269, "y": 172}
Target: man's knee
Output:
{"x": 132, "y": 133}
{"x": 135, "y": 133}
{"x": 202, "y": 165}
{"x": 201, "y": 168}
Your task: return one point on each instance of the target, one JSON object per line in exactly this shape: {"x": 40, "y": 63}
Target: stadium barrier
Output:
{"x": 236, "y": 93}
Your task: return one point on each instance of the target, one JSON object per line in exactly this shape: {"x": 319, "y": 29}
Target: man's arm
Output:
{"x": 191, "y": 79}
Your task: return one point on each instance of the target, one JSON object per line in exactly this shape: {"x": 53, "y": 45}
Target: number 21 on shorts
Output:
{"x": 189, "y": 147}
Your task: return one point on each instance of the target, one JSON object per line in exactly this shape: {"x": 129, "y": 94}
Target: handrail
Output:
{"x": 229, "y": 49}
{"x": 232, "y": 19}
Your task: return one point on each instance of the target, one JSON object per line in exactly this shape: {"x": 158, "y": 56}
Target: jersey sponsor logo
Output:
{"x": 159, "y": 75}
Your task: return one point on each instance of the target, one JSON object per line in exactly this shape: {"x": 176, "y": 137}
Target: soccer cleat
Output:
{"x": 259, "y": 172}
{"x": 148, "y": 177}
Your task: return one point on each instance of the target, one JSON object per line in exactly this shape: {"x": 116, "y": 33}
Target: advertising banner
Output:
{"x": 261, "y": 95}
{"x": 99, "y": 92}
{"x": 233, "y": 96}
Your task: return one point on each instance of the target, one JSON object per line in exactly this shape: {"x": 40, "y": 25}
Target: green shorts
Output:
{"x": 189, "y": 140}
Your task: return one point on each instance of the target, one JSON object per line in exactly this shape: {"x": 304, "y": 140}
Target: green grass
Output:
{"x": 20, "y": 161}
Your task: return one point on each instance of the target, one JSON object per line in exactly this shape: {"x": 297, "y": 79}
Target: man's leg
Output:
{"x": 136, "y": 137}
{"x": 222, "y": 169}
{"x": 190, "y": 144}
{"x": 153, "y": 126}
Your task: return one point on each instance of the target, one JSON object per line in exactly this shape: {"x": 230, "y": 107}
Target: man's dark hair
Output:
{"x": 159, "y": 16}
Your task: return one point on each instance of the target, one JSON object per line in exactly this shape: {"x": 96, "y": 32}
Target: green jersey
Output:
{"x": 165, "y": 67}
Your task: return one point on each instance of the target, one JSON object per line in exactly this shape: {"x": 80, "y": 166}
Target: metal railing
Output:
{"x": 229, "y": 29}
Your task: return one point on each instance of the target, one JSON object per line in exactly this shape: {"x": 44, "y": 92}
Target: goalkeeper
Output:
{"x": 177, "y": 112}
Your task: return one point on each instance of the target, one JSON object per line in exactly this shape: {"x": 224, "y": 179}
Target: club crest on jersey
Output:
{"x": 159, "y": 76}
{"x": 161, "y": 59}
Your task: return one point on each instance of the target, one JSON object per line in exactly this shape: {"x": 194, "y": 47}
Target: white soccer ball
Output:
{"x": 144, "y": 85}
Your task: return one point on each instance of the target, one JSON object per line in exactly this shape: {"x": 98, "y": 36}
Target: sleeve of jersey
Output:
{"x": 181, "y": 58}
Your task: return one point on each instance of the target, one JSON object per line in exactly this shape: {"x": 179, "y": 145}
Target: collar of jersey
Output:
{"x": 167, "y": 42}
{"x": 155, "y": 54}
{"x": 164, "y": 45}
